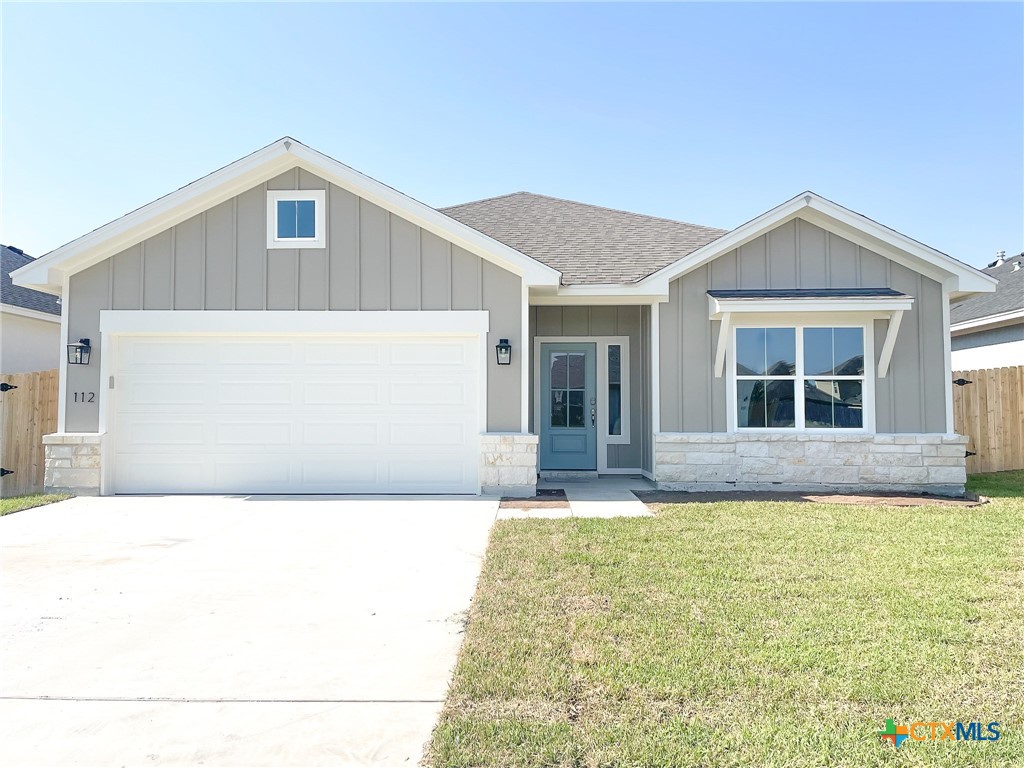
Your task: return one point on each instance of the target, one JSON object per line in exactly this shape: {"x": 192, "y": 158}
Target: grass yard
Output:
{"x": 745, "y": 634}
{"x": 18, "y": 503}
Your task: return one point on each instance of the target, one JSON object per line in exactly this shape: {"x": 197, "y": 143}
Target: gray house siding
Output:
{"x": 374, "y": 260}
{"x": 801, "y": 255}
{"x": 631, "y": 321}
{"x": 988, "y": 337}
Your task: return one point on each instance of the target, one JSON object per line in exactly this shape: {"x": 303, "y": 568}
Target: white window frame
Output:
{"x": 603, "y": 438}
{"x": 319, "y": 198}
{"x": 866, "y": 324}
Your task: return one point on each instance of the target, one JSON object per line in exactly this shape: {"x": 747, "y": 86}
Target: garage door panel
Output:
{"x": 341, "y": 353}
{"x": 340, "y": 433}
{"x": 298, "y": 415}
{"x": 342, "y": 393}
{"x": 245, "y": 352}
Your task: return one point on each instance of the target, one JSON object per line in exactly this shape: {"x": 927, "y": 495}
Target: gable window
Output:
{"x": 800, "y": 378}
{"x": 295, "y": 218}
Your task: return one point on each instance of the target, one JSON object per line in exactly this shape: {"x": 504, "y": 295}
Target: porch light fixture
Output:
{"x": 504, "y": 352}
{"x": 78, "y": 354}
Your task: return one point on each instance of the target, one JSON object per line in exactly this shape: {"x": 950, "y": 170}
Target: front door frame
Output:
{"x": 603, "y": 438}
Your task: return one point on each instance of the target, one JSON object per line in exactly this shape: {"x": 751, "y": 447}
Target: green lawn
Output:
{"x": 745, "y": 634}
{"x": 18, "y": 503}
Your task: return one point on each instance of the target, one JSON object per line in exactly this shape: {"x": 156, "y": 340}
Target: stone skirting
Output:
{"x": 933, "y": 463}
{"x": 508, "y": 464}
{"x": 73, "y": 463}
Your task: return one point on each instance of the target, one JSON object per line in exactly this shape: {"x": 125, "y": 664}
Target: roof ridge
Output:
{"x": 585, "y": 205}
{"x": 483, "y": 200}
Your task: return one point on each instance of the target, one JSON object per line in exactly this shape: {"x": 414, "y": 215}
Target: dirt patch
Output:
{"x": 553, "y": 498}
{"x": 658, "y": 498}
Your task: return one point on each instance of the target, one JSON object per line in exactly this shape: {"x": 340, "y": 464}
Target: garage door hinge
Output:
{"x": 111, "y": 383}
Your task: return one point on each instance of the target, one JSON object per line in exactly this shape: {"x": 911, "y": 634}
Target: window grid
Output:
{"x": 799, "y": 377}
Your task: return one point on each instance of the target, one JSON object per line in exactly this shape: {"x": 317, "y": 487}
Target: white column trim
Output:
{"x": 655, "y": 370}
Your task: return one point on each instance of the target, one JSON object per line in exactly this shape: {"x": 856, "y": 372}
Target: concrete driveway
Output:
{"x": 228, "y": 631}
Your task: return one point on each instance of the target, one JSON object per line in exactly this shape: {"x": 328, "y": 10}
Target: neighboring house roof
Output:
{"x": 12, "y": 258}
{"x": 1007, "y": 299}
{"x": 588, "y": 244}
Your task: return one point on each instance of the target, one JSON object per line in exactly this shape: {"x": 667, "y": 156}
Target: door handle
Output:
{"x": 593, "y": 416}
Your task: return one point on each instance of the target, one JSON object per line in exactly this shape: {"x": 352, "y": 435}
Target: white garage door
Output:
{"x": 296, "y": 414}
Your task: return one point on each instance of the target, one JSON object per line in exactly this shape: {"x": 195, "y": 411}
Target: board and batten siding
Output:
{"x": 632, "y": 321}
{"x": 797, "y": 254}
{"x": 374, "y": 260}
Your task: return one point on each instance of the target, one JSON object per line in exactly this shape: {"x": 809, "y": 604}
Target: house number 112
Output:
{"x": 85, "y": 397}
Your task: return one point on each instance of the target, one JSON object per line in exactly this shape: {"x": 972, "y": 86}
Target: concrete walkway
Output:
{"x": 232, "y": 631}
{"x": 608, "y": 496}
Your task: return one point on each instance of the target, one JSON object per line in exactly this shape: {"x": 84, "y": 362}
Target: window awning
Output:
{"x": 873, "y": 302}
{"x": 808, "y": 300}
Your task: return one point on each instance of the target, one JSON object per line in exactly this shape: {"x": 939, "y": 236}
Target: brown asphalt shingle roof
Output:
{"x": 587, "y": 243}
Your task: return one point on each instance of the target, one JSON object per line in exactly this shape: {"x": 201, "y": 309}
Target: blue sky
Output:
{"x": 912, "y": 114}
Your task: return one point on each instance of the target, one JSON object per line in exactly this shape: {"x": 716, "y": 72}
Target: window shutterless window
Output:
{"x": 800, "y": 378}
{"x": 296, "y": 218}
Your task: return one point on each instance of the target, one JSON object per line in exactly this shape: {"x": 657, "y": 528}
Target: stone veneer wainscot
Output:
{"x": 73, "y": 463}
{"x": 508, "y": 464}
{"x": 933, "y": 463}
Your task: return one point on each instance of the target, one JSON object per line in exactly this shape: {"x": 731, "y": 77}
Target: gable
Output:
{"x": 49, "y": 272}
{"x": 956, "y": 277}
{"x": 373, "y": 259}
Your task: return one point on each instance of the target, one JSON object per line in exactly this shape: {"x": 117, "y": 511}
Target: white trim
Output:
{"x": 594, "y": 295}
{"x": 655, "y": 372}
{"x": 319, "y": 198}
{"x": 844, "y": 222}
{"x": 32, "y": 314}
{"x": 601, "y": 344}
{"x": 271, "y": 322}
{"x": 62, "y": 370}
{"x": 719, "y": 306}
{"x": 524, "y": 385}
{"x": 1003, "y": 318}
{"x": 46, "y": 272}
{"x": 890, "y": 343}
{"x": 947, "y": 360}
{"x": 773, "y": 321}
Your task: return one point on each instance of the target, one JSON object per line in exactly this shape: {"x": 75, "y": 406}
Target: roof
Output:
{"x": 14, "y": 258}
{"x": 811, "y": 293}
{"x": 588, "y": 244}
{"x": 1008, "y": 296}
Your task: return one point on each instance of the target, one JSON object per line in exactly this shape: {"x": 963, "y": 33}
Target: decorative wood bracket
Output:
{"x": 890, "y": 342}
{"x": 723, "y": 341}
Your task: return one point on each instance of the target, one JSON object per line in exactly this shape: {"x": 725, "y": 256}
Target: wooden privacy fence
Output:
{"x": 990, "y": 411}
{"x": 27, "y": 412}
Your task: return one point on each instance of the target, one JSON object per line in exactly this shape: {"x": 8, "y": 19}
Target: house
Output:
{"x": 29, "y": 320}
{"x": 988, "y": 328}
{"x": 289, "y": 325}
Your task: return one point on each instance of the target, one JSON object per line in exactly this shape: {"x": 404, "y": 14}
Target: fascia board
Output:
{"x": 717, "y": 307}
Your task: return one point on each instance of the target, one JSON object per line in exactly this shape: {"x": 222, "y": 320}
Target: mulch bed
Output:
{"x": 879, "y": 498}
{"x": 545, "y": 499}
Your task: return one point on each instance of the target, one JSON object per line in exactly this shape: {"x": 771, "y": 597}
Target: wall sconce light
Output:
{"x": 504, "y": 352}
{"x": 78, "y": 354}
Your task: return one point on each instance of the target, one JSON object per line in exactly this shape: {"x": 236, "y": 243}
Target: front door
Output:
{"x": 568, "y": 393}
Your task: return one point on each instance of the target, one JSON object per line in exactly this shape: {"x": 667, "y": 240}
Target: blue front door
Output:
{"x": 568, "y": 412}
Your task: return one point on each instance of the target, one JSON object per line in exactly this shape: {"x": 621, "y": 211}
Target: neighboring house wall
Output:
{"x": 912, "y": 398}
{"x": 990, "y": 348}
{"x": 374, "y": 260}
{"x": 608, "y": 321}
{"x": 28, "y": 344}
